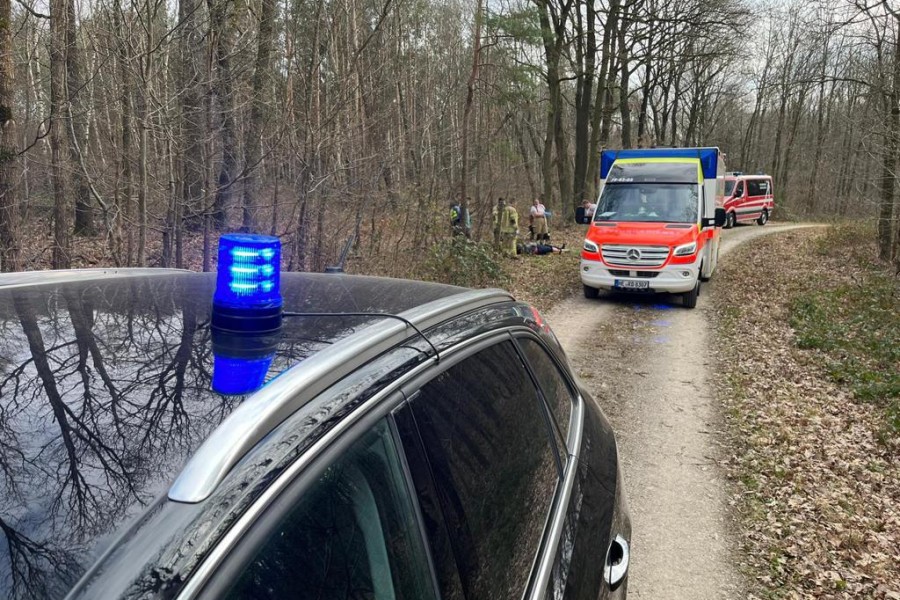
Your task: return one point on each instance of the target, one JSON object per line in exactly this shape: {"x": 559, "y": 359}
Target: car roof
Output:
{"x": 105, "y": 386}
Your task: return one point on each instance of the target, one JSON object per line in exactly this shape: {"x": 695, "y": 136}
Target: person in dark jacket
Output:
{"x": 538, "y": 248}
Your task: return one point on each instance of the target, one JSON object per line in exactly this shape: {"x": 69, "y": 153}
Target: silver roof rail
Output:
{"x": 31, "y": 278}
{"x": 257, "y": 416}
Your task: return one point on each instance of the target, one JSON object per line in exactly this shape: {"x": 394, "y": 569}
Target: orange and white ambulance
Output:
{"x": 657, "y": 223}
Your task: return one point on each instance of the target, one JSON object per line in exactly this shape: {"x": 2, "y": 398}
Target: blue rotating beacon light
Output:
{"x": 246, "y": 312}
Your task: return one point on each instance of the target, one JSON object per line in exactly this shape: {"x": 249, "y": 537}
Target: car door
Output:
{"x": 347, "y": 529}
{"x": 755, "y": 199}
{"x": 740, "y": 192}
{"x": 486, "y": 468}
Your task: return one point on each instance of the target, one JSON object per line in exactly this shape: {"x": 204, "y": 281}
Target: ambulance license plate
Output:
{"x": 630, "y": 284}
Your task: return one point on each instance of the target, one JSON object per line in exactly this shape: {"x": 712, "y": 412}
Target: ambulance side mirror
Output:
{"x": 581, "y": 216}
{"x": 720, "y": 217}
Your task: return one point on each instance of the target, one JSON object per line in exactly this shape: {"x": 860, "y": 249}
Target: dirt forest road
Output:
{"x": 648, "y": 363}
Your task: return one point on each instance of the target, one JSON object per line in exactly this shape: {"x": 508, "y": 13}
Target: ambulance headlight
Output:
{"x": 590, "y": 246}
{"x": 686, "y": 249}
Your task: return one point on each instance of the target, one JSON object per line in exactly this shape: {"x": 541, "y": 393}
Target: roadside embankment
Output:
{"x": 808, "y": 370}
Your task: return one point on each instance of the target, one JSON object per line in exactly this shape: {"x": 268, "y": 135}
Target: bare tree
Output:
{"x": 256, "y": 127}
{"x": 10, "y": 259}
{"x": 59, "y": 138}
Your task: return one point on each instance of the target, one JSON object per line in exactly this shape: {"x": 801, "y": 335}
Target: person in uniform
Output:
{"x": 538, "y": 219}
{"x": 506, "y": 224}
{"x": 460, "y": 223}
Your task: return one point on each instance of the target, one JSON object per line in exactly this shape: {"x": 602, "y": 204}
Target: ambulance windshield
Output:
{"x": 648, "y": 202}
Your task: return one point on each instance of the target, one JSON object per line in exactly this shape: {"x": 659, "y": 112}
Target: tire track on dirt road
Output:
{"x": 648, "y": 363}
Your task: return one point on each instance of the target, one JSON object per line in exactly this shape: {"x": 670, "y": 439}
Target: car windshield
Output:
{"x": 648, "y": 202}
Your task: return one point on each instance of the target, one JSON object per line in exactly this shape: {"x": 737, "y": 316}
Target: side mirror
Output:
{"x": 717, "y": 221}
{"x": 720, "y": 217}
{"x": 581, "y": 217}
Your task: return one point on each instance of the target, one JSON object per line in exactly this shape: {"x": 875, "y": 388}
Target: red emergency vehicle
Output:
{"x": 748, "y": 198}
{"x": 657, "y": 222}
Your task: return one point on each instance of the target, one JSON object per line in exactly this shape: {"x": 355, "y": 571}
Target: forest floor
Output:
{"x": 808, "y": 376}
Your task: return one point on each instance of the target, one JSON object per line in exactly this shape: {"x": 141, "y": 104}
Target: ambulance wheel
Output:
{"x": 689, "y": 299}
{"x": 729, "y": 220}
{"x": 591, "y": 293}
{"x": 763, "y": 218}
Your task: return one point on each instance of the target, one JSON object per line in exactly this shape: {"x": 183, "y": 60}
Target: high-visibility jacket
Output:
{"x": 456, "y": 216}
{"x": 509, "y": 219}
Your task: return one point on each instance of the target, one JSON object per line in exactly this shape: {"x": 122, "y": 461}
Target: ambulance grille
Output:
{"x": 641, "y": 274}
{"x": 639, "y": 256}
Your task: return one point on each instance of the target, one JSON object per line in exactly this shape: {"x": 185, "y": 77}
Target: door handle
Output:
{"x": 617, "y": 559}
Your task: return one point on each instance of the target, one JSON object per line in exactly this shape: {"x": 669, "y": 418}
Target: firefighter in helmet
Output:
{"x": 506, "y": 221}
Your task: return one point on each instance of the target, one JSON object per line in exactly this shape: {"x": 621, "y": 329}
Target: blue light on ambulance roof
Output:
{"x": 239, "y": 376}
{"x": 709, "y": 157}
{"x": 249, "y": 273}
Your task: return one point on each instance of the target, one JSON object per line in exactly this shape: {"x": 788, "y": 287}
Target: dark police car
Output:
{"x": 408, "y": 440}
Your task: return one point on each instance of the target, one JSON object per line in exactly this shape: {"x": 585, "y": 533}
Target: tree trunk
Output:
{"x": 625, "y": 73}
{"x": 813, "y": 184}
{"x": 123, "y": 196}
{"x": 467, "y": 116}
{"x": 553, "y": 35}
{"x": 10, "y": 259}
{"x": 889, "y": 163}
{"x": 583, "y": 116}
{"x": 78, "y": 143}
{"x": 59, "y": 139}
{"x": 603, "y": 102}
{"x": 192, "y": 118}
{"x": 253, "y": 142}
{"x": 646, "y": 90}
{"x": 222, "y": 32}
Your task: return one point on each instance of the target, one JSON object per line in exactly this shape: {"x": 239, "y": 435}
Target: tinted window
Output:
{"x": 352, "y": 535}
{"x": 557, "y": 393}
{"x": 487, "y": 440}
{"x": 755, "y": 188}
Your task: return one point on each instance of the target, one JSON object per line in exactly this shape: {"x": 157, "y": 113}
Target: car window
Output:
{"x": 753, "y": 188}
{"x": 729, "y": 186}
{"x": 352, "y": 535}
{"x": 552, "y": 383}
{"x": 488, "y": 442}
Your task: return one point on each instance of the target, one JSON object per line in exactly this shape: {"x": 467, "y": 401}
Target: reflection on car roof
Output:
{"x": 105, "y": 387}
